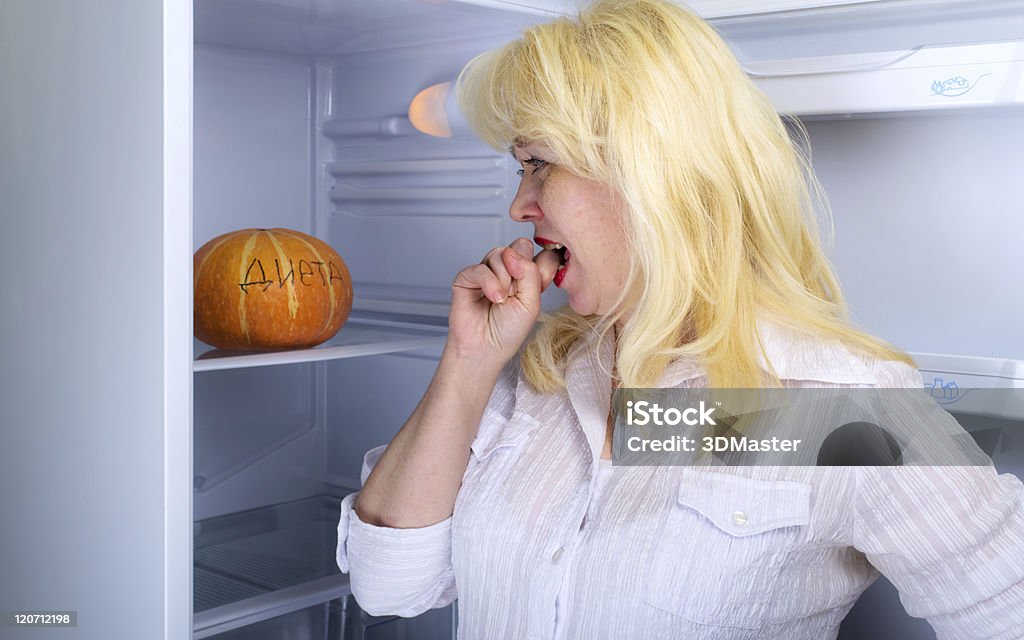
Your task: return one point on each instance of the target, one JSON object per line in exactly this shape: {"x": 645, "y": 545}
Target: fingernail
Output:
{"x": 500, "y": 299}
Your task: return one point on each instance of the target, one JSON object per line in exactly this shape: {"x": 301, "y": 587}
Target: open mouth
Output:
{"x": 563, "y": 253}
{"x": 564, "y": 256}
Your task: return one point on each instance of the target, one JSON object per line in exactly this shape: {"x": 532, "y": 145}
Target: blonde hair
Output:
{"x": 647, "y": 97}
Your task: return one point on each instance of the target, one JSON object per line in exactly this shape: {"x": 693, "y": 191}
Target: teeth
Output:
{"x": 561, "y": 266}
{"x": 555, "y": 246}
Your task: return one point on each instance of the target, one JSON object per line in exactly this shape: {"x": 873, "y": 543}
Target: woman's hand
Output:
{"x": 495, "y": 303}
{"x": 417, "y": 479}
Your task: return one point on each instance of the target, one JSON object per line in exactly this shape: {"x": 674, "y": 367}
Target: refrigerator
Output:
{"x": 156, "y": 487}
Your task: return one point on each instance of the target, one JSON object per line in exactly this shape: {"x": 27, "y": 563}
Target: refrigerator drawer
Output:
{"x": 323, "y": 621}
{"x": 273, "y": 565}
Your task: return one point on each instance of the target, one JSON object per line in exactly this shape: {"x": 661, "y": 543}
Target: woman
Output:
{"x": 689, "y": 255}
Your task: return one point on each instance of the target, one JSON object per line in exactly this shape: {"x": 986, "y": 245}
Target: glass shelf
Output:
{"x": 259, "y": 564}
{"x": 358, "y": 337}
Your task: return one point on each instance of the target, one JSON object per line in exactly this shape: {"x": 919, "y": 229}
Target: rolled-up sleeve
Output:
{"x": 951, "y": 540}
{"x": 392, "y": 571}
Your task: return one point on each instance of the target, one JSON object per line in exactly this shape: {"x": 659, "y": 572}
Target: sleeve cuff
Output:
{"x": 389, "y": 548}
{"x": 341, "y": 555}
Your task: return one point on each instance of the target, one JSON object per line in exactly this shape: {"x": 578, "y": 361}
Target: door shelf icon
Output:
{"x": 944, "y": 392}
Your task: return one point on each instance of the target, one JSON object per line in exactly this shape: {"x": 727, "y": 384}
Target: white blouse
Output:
{"x": 541, "y": 547}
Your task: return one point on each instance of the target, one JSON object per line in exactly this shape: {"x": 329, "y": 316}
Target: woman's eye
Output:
{"x": 536, "y": 163}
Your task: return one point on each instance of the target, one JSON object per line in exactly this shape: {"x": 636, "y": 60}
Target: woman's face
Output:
{"x": 582, "y": 215}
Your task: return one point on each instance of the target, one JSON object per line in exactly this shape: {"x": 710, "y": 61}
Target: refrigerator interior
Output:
{"x": 290, "y": 101}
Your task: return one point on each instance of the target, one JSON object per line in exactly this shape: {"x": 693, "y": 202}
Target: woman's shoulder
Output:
{"x": 798, "y": 357}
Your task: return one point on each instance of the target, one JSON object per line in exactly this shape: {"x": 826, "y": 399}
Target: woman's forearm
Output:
{"x": 418, "y": 477}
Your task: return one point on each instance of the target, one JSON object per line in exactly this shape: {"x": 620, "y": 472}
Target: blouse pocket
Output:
{"x": 497, "y": 431}
{"x": 494, "y": 459}
{"x": 717, "y": 556}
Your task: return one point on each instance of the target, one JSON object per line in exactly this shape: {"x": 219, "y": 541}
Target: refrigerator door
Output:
{"x": 96, "y": 375}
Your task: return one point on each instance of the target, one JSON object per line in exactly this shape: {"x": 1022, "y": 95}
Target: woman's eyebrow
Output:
{"x": 512, "y": 152}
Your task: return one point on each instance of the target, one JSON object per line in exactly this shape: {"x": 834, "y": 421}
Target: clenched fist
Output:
{"x": 495, "y": 303}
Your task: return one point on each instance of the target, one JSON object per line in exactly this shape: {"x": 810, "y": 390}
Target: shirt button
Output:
{"x": 557, "y": 555}
{"x": 739, "y": 518}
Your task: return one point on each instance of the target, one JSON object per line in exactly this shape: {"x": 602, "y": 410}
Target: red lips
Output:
{"x": 560, "y": 275}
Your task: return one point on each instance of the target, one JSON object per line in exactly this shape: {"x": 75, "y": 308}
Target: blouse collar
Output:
{"x": 795, "y": 356}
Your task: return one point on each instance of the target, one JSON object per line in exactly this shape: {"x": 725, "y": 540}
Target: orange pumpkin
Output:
{"x": 258, "y": 289}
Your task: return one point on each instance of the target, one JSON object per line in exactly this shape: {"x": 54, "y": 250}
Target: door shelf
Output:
{"x": 358, "y": 337}
{"x": 263, "y": 563}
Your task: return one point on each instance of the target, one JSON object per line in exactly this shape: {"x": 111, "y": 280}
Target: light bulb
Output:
{"x": 428, "y": 110}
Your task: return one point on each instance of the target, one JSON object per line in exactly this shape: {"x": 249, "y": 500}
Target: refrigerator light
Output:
{"x": 427, "y": 112}
{"x": 434, "y": 112}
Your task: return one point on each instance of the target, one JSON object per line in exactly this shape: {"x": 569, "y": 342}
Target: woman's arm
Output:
{"x": 418, "y": 477}
{"x": 949, "y": 537}
{"x": 494, "y": 306}
{"x": 951, "y": 540}
{"x": 396, "y": 543}
{"x": 404, "y": 571}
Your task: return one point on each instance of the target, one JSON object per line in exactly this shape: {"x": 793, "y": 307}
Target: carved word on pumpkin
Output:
{"x": 305, "y": 271}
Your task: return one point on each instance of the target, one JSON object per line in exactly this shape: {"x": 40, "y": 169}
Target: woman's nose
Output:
{"x": 524, "y": 207}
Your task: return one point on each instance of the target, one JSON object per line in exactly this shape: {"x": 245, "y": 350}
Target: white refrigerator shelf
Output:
{"x": 358, "y": 337}
{"x": 263, "y": 563}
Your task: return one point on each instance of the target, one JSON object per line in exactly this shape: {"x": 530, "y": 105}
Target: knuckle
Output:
{"x": 472, "y": 272}
{"x": 488, "y": 276}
